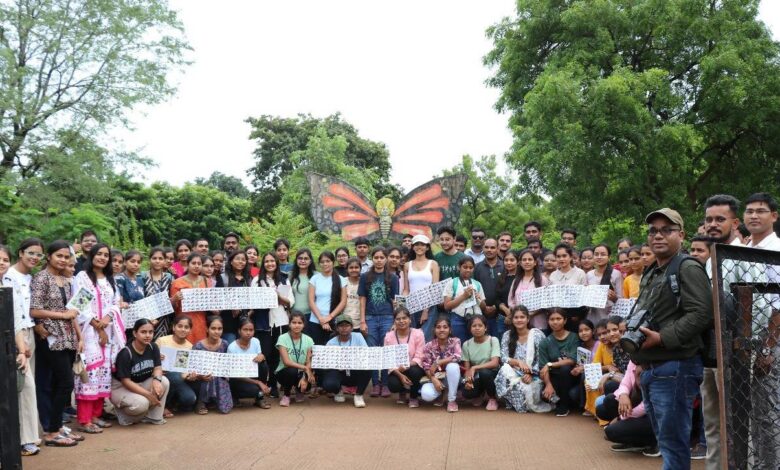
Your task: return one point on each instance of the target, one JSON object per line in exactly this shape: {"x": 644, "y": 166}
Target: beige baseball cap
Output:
{"x": 672, "y": 215}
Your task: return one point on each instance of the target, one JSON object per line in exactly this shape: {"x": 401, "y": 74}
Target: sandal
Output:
{"x": 201, "y": 409}
{"x": 67, "y": 432}
{"x": 102, "y": 423}
{"x": 60, "y": 441}
{"x": 262, "y": 403}
{"x": 315, "y": 393}
{"x": 91, "y": 428}
{"x": 168, "y": 414}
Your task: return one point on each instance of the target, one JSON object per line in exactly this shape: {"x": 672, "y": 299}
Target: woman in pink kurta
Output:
{"x": 403, "y": 380}
{"x": 528, "y": 278}
{"x": 104, "y": 336}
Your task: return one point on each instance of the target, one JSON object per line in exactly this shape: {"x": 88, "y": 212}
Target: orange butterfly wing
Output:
{"x": 340, "y": 208}
{"x": 426, "y": 208}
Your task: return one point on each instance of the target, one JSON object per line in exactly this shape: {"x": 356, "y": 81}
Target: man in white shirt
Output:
{"x": 760, "y": 216}
{"x": 477, "y": 242}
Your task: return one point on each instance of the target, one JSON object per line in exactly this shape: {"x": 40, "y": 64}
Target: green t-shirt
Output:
{"x": 301, "y": 294}
{"x": 550, "y": 349}
{"x": 297, "y": 351}
{"x": 448, "y": 264}
{"x": 480, "y": 353}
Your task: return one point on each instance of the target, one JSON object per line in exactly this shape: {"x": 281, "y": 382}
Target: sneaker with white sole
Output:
{"x": 29, "y": 450}
{"x": 626, "y": 448}
{"x": 652, "y": 452}
{"x": 699, "y": 452}
{"x": 359, "y": 402}
{"x": 339, "y": 397}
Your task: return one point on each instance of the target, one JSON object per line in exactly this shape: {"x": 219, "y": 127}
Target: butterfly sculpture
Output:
{"x": 340, "y": 208}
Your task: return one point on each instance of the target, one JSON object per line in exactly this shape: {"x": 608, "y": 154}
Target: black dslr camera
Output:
{"x": 633, "y": 339}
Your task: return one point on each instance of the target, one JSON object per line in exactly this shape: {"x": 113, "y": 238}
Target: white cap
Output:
{"x": 421, "y": 239}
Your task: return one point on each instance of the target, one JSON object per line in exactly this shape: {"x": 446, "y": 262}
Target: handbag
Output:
{"x": 79, "y": 369}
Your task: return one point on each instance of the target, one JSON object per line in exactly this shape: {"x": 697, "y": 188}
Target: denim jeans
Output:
{"x": 668, "y": 391}
{"x": 496, "y": 326}
{"x": 378, "y": 325}
{"x": 427, "y": 327}
{"x": 179, "y": 391}
{"x": 460, "y": 327}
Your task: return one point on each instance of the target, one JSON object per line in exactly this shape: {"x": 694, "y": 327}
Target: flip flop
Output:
{"x": 102, "y": 423}
{"x": 91, "y": 428}
{"x": 167, "y": 414}
{"x": 60, "y": 441}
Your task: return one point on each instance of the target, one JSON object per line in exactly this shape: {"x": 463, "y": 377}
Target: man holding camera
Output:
{"x": 676, "y": 305}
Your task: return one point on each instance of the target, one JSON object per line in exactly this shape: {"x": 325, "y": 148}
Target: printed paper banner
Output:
{"x": 80, "y": 301}
{"x": 228, "y": 298}
{"x": 584, "y": 356}
{"x": 151, "y": 308}
{"x": 622, "y": 307}
{"x": 360, "y": 357}
{"x": 427, "y": 297}
{"x": 565, "y": 296}
{"x": 593, "y": 375}
{"x": 207, "y": 362}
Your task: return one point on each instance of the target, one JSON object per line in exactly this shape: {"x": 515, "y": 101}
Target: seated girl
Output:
{"x": 180, "y": 391}
{"x": 139, "y": 388}
{"x": 405, "y": 380}
{"x": 294, "y": 369}
{"x": 518, "y": 382}
{"x": 588, "y": 340}
{"x": 250, "y": 387}
{"x": 213, "y": 390}
{"x": 334, "y": 379}
{"x": 440, "y": 362}
{"x": 611, "y": 374}
{"x": 481, "y": 360}
{"x": 557, "y": 353}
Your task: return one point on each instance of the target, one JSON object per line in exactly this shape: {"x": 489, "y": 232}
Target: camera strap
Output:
{"x": 673, "y": 274}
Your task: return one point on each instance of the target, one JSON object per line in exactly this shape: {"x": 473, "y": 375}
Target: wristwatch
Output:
{"x": 766, "y": 352}
{"x": 549, "y": 365}
{"x": 612, "y": 375}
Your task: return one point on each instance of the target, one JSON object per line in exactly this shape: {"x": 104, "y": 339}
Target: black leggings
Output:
{"x": 415, "y": 373}
{"x": 484, "y": 382}
{"x": 243, "y": 389}
{"x": 60, "y": 363}
{"x": 289, "y": 378}
{"x": 633, "y": 431}
{"x": 334, "y": 379}
{"x": 268, "y": 347}
{"x": 562, "y": 381}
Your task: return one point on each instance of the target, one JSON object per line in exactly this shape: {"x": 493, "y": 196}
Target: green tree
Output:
{"x": 278, "y": 139}
{"x": 623, "y": 106}
{"x": 78, "y": 66}
{"x": 491, "y": 202}
{"x": 225, "y": 183}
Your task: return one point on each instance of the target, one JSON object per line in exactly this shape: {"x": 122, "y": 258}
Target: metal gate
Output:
{"x": 746, "y": 286}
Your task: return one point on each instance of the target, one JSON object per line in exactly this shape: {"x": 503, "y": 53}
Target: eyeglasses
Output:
{"x": 665, "y": 231}
{"x": 757, "y": 211}
{"x": 33, "y": 254}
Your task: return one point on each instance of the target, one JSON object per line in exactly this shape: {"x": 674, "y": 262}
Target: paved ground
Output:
{"x": 323, "y": 435}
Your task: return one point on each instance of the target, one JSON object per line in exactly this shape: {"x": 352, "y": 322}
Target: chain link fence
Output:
{"x": 747, "y": 324}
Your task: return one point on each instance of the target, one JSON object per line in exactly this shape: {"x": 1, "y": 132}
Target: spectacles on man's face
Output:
{"x": 757, "y": 211}
{"x": 33, "y": 254}
{"x": 665, "y": 231}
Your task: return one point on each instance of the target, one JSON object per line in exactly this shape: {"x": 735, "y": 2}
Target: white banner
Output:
{"x": 565, "y": 296}
{"x": 622, "y": 307}
{"x": 360, "y": 357}
{"x": 593, "y": 375}
{"x": 207, "y": 362}
{"x": 228, "y": 298}
{"x": 426, "y": 297}
{"x": 151, "y": 308}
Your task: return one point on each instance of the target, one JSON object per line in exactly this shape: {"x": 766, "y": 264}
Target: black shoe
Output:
{"x": 562, "y": 412}
{"x": 627, "y": 448}
{"x": 652, "y": 452}
{"x": 274, "y": 393}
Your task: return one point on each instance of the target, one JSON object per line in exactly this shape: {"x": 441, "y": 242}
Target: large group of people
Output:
{"x": 83, "y": 371}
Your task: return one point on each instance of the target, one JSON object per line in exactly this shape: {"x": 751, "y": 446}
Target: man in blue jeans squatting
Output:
{"x": 679, "y": 308}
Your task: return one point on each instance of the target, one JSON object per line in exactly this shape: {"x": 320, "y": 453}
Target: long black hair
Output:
{"x": 295, "y": 275}
{"x": 513, "y": 331}
{"x": 263, "y": 274}
{"x": 231, "y": 274}
{"x": 335, "y": 290}
{"x": 519, "y": 276}
{"x": 606, "y": 278}
{"x": 386, "y": 275}
{"x": 108, "y": 271}
{"x": 502, "y": 278}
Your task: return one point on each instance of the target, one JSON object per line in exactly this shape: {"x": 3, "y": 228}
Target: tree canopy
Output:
{"x": 621, "y": 106}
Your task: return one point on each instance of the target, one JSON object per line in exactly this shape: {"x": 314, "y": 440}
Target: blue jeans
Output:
{"x": 668, "y": 391}
{"x": 378, "y": 325}
{"x": 496, "y": 326}
{"x": 427, "y": 327}
{"x": 460, "y": 328}
{"x": 180, "y": 391}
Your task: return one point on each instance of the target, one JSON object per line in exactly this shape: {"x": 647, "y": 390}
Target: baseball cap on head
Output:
{"x": 670, "y": 214}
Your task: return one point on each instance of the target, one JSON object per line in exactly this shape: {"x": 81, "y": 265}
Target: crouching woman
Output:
{"x": 139, "y": 388}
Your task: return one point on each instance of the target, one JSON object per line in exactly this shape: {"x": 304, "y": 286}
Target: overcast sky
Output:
{"x": 406, "y": 73}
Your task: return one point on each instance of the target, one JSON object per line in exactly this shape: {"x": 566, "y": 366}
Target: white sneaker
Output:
{"x": 359, "y": 402}
{"x": 339, "y": 397}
